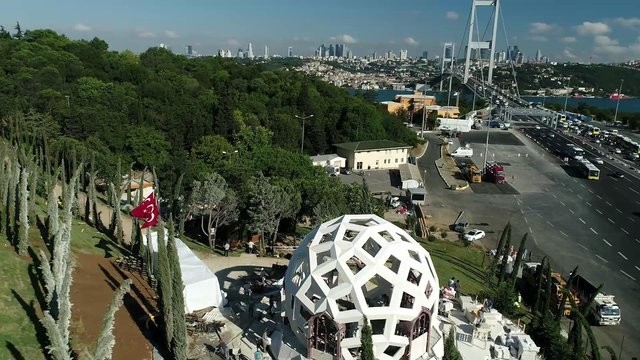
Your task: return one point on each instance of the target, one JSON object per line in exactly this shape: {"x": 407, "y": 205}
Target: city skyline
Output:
{"x": 595, "y": 31}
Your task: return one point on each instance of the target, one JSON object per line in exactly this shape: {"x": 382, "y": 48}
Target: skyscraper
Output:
{"x": 331, "y": 50}
{"x": 240, "y": 54}
{"x": 538, "y": 56}
{"x": 189, "y": 50}
{"x": 250, "y": 51}
{"x": 290, "y": 51}
{"x": 425, "y": 55}
{"x": 403, "y": 54}
{"x": 339, "y": 50}
{"x": 266, "y": 52}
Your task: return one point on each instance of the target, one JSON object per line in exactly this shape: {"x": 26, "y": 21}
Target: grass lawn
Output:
{"x": 462, "y": 262}
{"x": 20, "y": 310}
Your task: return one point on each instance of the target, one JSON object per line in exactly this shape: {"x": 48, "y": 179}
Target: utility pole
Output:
{"x": 615, "y": 117}
{"x": 303, "y": 117}
{"x": 566, "y": 96}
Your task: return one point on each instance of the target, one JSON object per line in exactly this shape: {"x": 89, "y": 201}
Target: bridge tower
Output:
{"x": 448, "y": 61}
{"x": 482, "y": 44}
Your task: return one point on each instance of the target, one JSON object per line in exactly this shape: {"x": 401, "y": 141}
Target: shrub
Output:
{"x": 433, "y": 228}
{"x": 432, "y": 238}
{"x": 444, "y": 234}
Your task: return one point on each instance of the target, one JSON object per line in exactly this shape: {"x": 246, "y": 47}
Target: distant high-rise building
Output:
{"x": 266, "y": 52}
{"x": 189, "y": 50}
{"x": 374, "y": 55}
{"x": 240, "y": 54}
{"x": 349, "y": 54}
{"x": 425, "y": 55}
{"x": 339, "y": 50}
{"x": 538, "y": 56}
{"x": 331, "y": 50}
{"x": 404, "y": 54}
{"x": 290, "y": 51}
{"x": 250, "y": 51}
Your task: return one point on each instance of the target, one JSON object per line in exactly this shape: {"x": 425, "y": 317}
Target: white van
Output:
{"x": 462, "y": 152}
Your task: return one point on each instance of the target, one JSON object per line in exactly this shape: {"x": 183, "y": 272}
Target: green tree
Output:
{"x": 179, "y": 339}
{"x": 518, "y": 260}
{"x": 106, "y": 340}
{"x": 504, "y": 253}
{"x": 23, "y": 233}
{"x": 148, "y": 146}
{"x": 262, "y": 207}
{"x": 215, "y": 203}
{"x": 366, "y": 341}
{"x": 165, "y": 291}
{"x": 450, "y": 350}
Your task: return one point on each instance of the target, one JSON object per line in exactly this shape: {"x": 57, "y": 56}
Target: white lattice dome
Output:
{"x": 356, "y": 266}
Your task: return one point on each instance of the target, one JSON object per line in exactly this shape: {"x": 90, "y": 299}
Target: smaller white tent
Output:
{"x": 201, "y": 286}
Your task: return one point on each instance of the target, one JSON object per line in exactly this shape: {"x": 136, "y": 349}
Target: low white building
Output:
{"x": 375, "y": 154}
{"x": 462, "y": 125}
{"x": 329, "y": 160}
{"x": 409, "y": 176}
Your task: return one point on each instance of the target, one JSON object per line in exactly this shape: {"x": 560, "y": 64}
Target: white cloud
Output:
{"x": 540, "y": 27}
{"x": 604, "y": 40}
{"x": 141, "y": 33}
{"x": 452, "y": 15}
{"x": 628, "y": 22}
{"x": 171, "y": 34}
{"x": 410, "y": 41}
{"x": 233, "y": 43}
{"x": 81, "y": 27}
{"x": 611, "y": 49}
{"x": 592, "y": 28}
{"x": 569, "y": 54}
{"x": 538, "y": 38}
{"x": 569, "y": 39}
{"x": 345, "y": 38}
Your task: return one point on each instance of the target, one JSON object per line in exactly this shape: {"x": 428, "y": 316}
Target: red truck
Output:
{"x": 495, "y": 173}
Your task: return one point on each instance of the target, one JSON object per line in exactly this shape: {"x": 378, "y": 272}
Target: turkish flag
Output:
{"x": 147, "y": 210}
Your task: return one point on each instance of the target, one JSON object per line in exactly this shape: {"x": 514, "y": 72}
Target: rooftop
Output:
{"x": 483, "y": 333}
{"x": 372, "y": 145}
{"x": 409, "y": 172}
{"x": 324, "y": 157}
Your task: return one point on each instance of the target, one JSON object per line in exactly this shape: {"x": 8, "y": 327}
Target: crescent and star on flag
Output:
{"x": 147, "y": 210}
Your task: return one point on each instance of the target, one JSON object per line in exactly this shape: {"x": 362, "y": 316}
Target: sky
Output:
{"x": 563, "y": 30}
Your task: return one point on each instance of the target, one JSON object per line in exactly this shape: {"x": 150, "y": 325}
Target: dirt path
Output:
{"x": 94, "y": 282}
{"x": 104, "y": 211}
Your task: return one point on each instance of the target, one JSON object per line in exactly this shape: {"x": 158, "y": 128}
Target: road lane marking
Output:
{"x": 630, "y": 218}
{"x": 608, "y": 203}
{"x": 620, "y": 211}
{"x": 579, "y": 197}
{"x": 563, "y": 204}
{"x": 637, "y": 268}
{"x": 595, "y": 232}
{"x": 624, "y": 257}
{"x": 625, "y": 231}
{"x": 562, "y": 232}
{"x": 530, "y": 230}
{"x": 570, "y": 189}
{"x": 591, "y": 191}
{"x": 611, "y": 220}
{"x": 554, "y": 196}
{"x": 638, "y": 241}
{"x": 601, "y": 258}
{"x": 525, "y": 220}
{"x": 606, "y": 242}
{"x": 584, "y": 222}
{"x": 588, "y": 203}
{"x": 630, "y": 188}
{"x": 548, "y": 222}
{"x": 599, "y": 197}
{"x": 583, "y": 186}
{"x": 584, "y": 247}
{"x": 598, "y": 210}
{"x": 571, "y": 211}
{"x": 521, "y": 211}
{"x": 629, "y": 276}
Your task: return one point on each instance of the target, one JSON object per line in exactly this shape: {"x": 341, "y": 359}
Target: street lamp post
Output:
{"x": 303, "y": 117}
{"x": 615, "y": 117}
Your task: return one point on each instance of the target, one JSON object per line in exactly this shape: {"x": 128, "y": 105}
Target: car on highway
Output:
{"x": 537, "y": 127}
{"x": 617, "y": 151}
{"x": 618, "y": 174}
{"x": 474, "y": 234}
{"x": 598, "y": 161}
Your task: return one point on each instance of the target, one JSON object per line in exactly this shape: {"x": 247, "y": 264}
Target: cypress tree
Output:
{"x": 547, "y": 293}
{"x": 11, "y": 199}
{"x": 33, "y": 188}
{"x": 106, "y": 340}
{"x": 52, "y": 207}
{"x": 179, "y": 341}
{"x": 164, "y": 286}
{"x": 450, "y": 350}
{"x": 505, "y": 257}
{"x": 23, "y": 214}
{"x": 566, "y": 293}
{"x": 366, "y": 342}
{"x": 538, "y": 294}
{"x": 518, "y": 259}
{"x": 494, "y": 261}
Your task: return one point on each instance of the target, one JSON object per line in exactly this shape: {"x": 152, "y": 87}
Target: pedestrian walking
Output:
{"x": 226, "y": 248}
{"x": 250, "y": 247}
{"x": 272, "y": 304}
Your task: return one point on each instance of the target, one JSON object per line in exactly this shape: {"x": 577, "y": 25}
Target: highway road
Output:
{"x": 575, "y": 221}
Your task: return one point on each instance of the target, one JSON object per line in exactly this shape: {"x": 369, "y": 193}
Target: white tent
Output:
{"x": 201, "y": 286}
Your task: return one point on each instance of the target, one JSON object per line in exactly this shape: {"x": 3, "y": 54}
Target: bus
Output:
{"x": 589, "y": 170}
{"x": 574, "y": 152}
